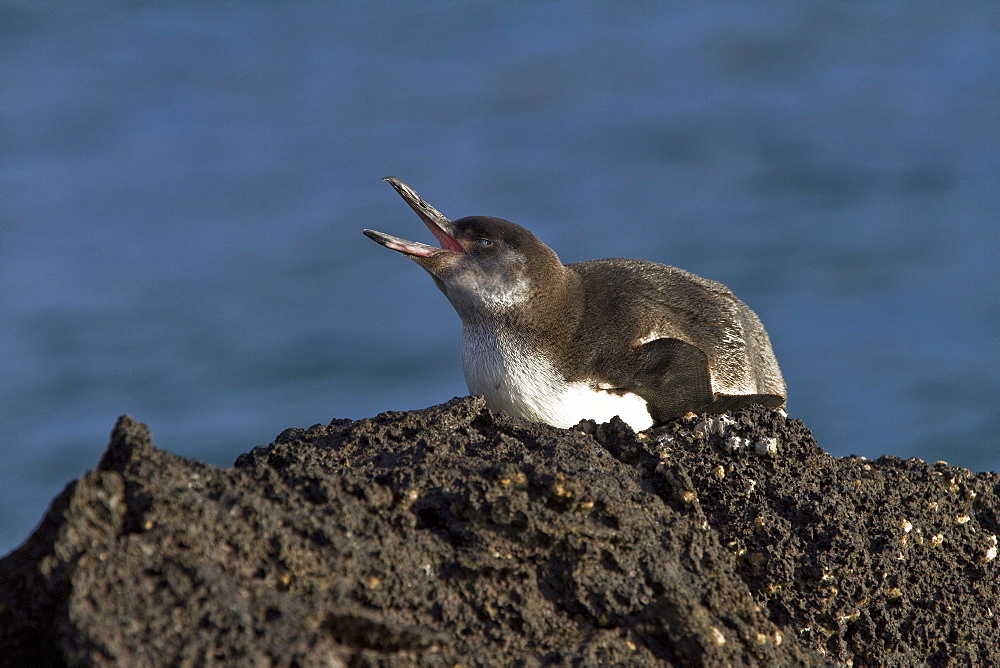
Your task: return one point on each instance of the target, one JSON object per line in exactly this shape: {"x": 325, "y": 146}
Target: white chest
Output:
{"x": 517, "y": 380}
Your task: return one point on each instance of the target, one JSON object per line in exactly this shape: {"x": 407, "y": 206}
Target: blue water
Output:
{"x": 183, "y": 188}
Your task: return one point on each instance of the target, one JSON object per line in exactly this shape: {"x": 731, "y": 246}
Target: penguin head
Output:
{"x": 485, "y": 266}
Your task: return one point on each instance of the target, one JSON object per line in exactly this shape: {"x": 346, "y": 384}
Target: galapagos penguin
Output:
{"x": 561, "y": 343}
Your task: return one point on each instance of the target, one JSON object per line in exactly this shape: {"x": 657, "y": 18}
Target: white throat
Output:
{"x": 516, "y": 379}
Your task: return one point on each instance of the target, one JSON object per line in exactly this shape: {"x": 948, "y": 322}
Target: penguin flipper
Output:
{"x": 672, "y": 376}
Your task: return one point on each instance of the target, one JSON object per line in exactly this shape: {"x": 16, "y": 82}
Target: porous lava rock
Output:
{"x": 456, "y": 536}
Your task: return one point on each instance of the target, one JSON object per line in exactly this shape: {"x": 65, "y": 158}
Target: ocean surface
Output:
{"x": 183, "y": 188}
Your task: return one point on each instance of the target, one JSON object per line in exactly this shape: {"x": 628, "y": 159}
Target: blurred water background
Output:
{"x": 183, "y": 188}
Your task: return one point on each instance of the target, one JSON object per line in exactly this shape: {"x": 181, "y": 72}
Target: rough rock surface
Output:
{"x": 455, "y": 536}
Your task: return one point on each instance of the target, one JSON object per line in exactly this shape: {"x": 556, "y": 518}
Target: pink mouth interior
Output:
{"x": 447, "y": 241}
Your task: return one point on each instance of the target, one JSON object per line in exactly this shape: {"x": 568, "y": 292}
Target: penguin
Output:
{"x": 558, "y": 343}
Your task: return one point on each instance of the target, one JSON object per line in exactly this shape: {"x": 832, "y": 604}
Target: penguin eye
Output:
{"x": 485, "y": 243}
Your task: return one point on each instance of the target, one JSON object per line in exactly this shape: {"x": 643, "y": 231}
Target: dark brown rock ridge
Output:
{"x": 453, "y": 536}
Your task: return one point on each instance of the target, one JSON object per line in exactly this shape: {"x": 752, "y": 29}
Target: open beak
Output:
{"x": 440, "y": 227}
